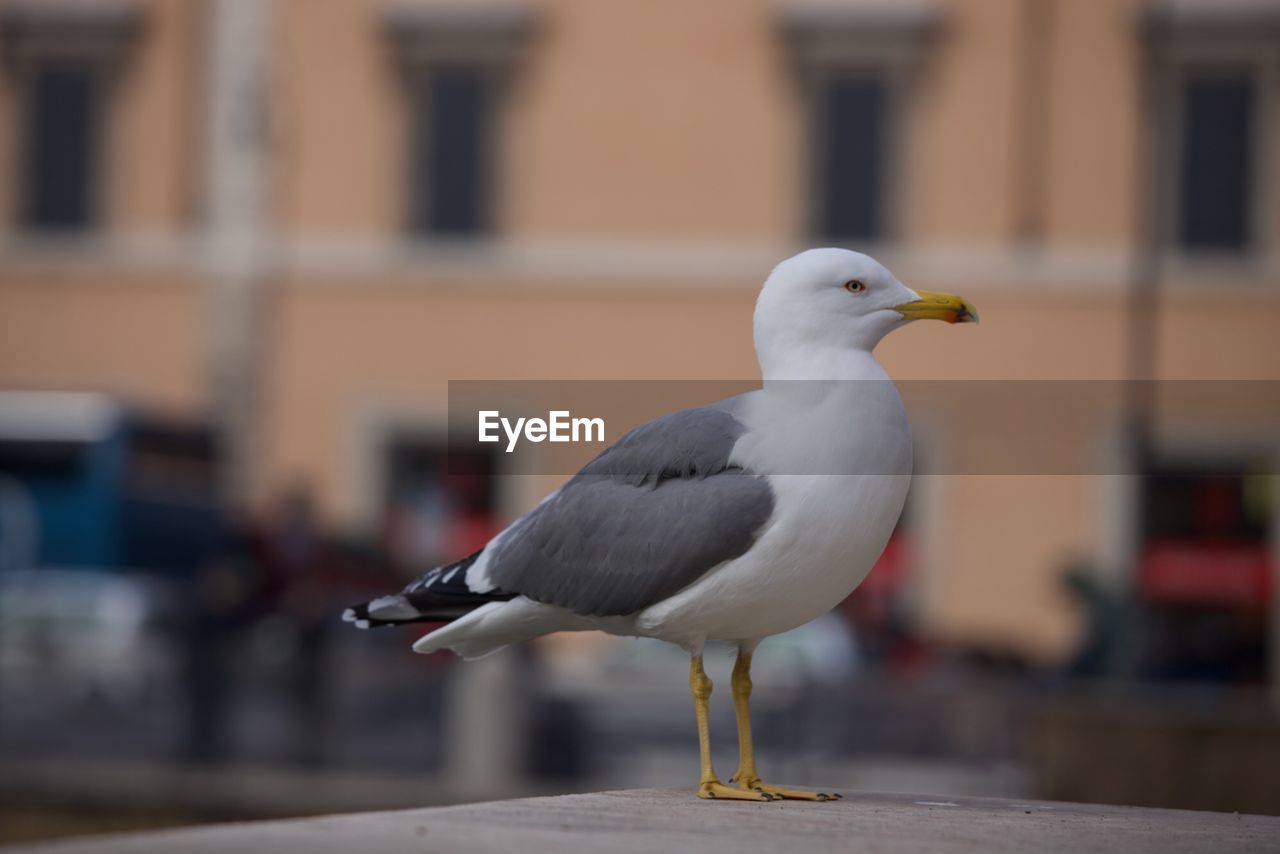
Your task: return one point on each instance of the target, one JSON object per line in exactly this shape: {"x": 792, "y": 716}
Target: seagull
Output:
{"x": 729, "y": 522}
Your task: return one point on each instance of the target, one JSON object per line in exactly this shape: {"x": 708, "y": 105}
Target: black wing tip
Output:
{"x": 438, "y": 596}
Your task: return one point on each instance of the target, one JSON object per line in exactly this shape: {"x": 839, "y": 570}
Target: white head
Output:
{"x": 823, "y": 302}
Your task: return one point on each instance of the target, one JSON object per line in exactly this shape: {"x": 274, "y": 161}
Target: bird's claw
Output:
{"x": 715, "y": 790}
{"x": 782, "y": 793}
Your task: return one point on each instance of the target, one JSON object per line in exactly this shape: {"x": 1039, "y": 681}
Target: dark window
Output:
{"x": 42, "y": 458}
{"x": 850, "y": 136}
{"x": 1219, "y": 503}
{"x": 1204, "y": 570}
{"x": 1216, "y": 152}
{"x": 172, "y": 460}
{"x": 452, "y": 126}
{"x": 60, "y": 135}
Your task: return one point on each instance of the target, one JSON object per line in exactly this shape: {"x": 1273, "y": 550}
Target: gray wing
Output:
{"x": 640, "y": 522}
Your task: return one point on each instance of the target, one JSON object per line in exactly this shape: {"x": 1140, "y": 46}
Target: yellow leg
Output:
{"x": 741, "y": 686}
{"x": 747, "y": 777}
{"x": 709, "y": 786}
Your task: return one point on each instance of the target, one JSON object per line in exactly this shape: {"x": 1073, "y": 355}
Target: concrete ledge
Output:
{"x": 668, "y": 821}
{"x": 233, "y": 791}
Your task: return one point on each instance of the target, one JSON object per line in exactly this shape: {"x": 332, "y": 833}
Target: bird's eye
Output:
{"x": 854, "y": 286}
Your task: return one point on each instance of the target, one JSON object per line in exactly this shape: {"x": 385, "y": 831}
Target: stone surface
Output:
{"x": 674, "y": 822}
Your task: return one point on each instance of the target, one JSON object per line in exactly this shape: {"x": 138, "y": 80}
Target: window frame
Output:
{"x": 23, "y": 207}
{"x": 371, "y": 428}
{"x": 33, "y": 36}
{"x": 892, "y": 132}
{"x": 1174, "y": 58}
{"x": 423, "y": 40}
{"x": 890, "y": 43}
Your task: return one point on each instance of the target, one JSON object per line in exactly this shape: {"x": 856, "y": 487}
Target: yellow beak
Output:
{"x": 936, "y": 306}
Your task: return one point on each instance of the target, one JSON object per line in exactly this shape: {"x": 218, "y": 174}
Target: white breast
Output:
{"x": 838, "y": 456}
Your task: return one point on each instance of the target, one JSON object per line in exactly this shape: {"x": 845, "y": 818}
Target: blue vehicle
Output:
{"x": 87, "y": 482}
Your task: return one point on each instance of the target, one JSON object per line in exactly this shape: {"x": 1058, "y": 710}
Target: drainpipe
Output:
{"x": 233, "y": 227}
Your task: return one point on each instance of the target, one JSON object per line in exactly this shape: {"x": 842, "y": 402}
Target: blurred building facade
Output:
{"x": 300, "y": 220}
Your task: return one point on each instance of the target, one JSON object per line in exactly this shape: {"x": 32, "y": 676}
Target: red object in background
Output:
{"x": 1198, "y": 573}
{"x": 469, "y": 532}
{"x": 870, "y": 606}
{"x": 875, "y": 609}
{"x": 890, "y": 572}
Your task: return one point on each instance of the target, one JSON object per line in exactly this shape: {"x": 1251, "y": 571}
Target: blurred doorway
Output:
{"x": 439, "y": 504}
{"x": 1205, "y": 569}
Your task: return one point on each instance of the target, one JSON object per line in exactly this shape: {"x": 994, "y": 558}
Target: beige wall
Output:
{"x": 662, "y": 125}
{"x": 141, "y": 338}
{"x": 680, "y": 118}
{"x": 969, "y": 135}
{"x": 149, "y": 143}
{"x": 338, "y": 121}
{"x": 1092, "y": 124}
{"x": 619, "y": 126}
{"x": 993, "y": 546}
{"x": 662, "y": 120}
{"x": 153, "y": 176}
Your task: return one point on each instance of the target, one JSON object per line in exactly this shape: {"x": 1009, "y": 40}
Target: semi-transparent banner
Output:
{"x": 1060, "y": 427}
